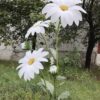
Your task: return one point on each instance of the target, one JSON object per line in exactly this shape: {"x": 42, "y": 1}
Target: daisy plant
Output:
{"x": 60, "y": 13}
{"x": 31, "y": 64}
{"x": 64, "y": 11}
{"x": 38, "y": 27}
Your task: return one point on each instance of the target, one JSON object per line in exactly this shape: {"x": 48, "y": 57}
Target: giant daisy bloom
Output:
{"x": 38, "y": 27}
{"x": 31, "y": 63}
{"x": 65, "y": 11}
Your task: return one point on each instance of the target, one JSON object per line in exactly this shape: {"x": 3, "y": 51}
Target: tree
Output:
{"x": 93, "y": 18}
{"x": 20, "y": 14}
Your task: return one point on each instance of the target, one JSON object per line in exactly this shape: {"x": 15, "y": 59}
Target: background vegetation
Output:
{"x": 81, "y": 84}
{"x": 21, "y": 14}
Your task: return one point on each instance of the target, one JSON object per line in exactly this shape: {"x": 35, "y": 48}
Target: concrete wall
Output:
{"x": 8, "y": 53}
{"x": 5, "y": 52}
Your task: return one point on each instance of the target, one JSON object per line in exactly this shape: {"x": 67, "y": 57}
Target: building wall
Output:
{"x": 5, "y": 52}
{"x": 8, "y": 53}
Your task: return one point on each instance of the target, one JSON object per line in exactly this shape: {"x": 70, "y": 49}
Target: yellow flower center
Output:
{"x": 31, "y": 61}
{"x": 64, "y": 7}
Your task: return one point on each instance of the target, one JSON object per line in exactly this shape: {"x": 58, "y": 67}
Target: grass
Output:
{"x": 81, "y": 84}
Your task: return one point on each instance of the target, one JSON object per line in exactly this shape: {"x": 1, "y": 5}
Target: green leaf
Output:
{"x": 46, "y": 85}
{"x": 64, "y": 95}
{"x": 59, "y": 77}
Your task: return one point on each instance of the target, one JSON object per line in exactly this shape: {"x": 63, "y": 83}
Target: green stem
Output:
{"x": 54, "y": 77}
{"x": 43, "y": 79}
{"x": 31, "y": 88}
{"x": 57, "y": 50}
{"x": 42, "y": 76}
{"x": 57, "y": 41}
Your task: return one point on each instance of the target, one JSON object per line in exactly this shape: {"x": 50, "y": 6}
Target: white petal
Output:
{"x": 78, "y": 8}
{"x": 28, "y": 73}
{"x": 77, "y": 17}
{"x": 27, "y": 35}
{"x": 48, "y": 7}
{"x": 55, "y": 17}
{"x": 39, "y": 65}
{"x": 40, "y": 49}
{"x": 51, "y": 11}
{"x": 44, "y": 25}
{"x": 43, "y": 60}
{"x": 19, "y": 66}
{"x": 58, "y": 2}
{"x": 42, "y": 30}
{"x": 47, "y": 22}
{"x": 28, "y": 53}
{"x": 63, "y": 22}
{"x": 23, "y": 60}
{"x": 37, "y": 23}
{"x": 69, "y": 18}
{"x": 37, "y": 29}
{"x": 30, "y": 31}
{"x": 76, "y": 1}
{"x": 21, "y": 73}
{"x": 35, "y": 68}
{"x": 45, "y": 53}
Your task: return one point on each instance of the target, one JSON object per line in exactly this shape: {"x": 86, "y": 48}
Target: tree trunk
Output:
{"x": 91, "y": 44}
{"x": 89, "y": 54}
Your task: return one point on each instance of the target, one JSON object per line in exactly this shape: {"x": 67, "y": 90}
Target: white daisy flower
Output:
{"x": 38, "y": 27}
{"x": 64, "y": 11}
{"x": 53, "y": 69}
{"x": 31, "y": 63}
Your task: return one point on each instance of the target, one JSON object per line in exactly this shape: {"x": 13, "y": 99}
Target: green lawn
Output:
{"x": 81, "y": 84}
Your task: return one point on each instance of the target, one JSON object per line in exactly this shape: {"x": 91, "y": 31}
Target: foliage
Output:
{"x": 13, "y": 88}
{"x": 20, "y": 14}
{"x": 93, "y": 20}
{"x": 68, "y": 33}
{"x": 73, "y": 59}
{"x": 64, "y": 95}
{"x": 49, "y": 86}
{"x": 28, "y": 45}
